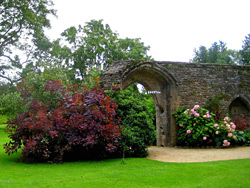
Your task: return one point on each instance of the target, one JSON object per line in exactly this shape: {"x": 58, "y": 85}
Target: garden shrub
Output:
{"x": 247, "y": 137}
{"x": 197, "y": 128}
{"x": 137, "y": 120}
{"x": 214, "y": 105}
{"x": 5, "y": 118}
{"x": 242, "y": 121}
{"x": 11, "y": 104}
{"x": 12, "y": 101}
{"x": 225, "y": 134}
{"x": 82, "y": 121}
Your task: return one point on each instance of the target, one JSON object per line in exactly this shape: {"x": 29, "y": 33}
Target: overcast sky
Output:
{"x": 172, "y": 28}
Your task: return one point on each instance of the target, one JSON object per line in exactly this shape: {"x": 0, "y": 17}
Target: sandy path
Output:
{"x": 172, "y": 154}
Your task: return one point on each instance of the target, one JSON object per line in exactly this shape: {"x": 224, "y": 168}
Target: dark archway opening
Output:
{"x": 239, "y": 111}
{"x": 238, "y": 107}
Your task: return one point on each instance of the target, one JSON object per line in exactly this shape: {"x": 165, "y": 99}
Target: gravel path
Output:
{"x": 179, "y": 155}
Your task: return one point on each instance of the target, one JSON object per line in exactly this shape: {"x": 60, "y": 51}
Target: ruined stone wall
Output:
{"x": 183, "y": 84}
{"x": 196, "y": 83}
{"x": 199, "y": 82}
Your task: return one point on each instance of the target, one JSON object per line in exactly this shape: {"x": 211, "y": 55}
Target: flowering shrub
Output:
{"x": 197, "y": 127}
{"x": 225, "y": 133}
{"x": 82, "y": 121}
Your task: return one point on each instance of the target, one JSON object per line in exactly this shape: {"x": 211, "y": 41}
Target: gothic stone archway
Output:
{"x": 180, "y": 84}
{"x": 158, "y": 79}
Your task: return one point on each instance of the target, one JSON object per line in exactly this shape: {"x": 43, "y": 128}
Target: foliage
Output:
{"x": 239, "y": 137}
{"x": 242, "y": 121}
{"x": 214, "y": 105}
{"x": 247, "y": 137}
{"x": 34, "y": 84}
{"x": 6, "y": 87}
{"x": 90, "y": 79}
{"x": 138, "y": 119}
{"x": 226, "y": 134}
{"x": 245, "y": 52}
{"x": 11, "y": 103}
{"x": 5, "y": 118}
{"x": 197, "y": 127}
{"x": 22, "y": 26}
{"x": 217, "y": 53}
{"x": 82, "y": 122}
{"x": 14, "y": 103}
{"x": 95, "y": 45}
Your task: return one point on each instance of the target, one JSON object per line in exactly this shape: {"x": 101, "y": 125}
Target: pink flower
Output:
{"x": 188, "y": 131}
{"x": 230, "y": 134}
{"x": 217, "y": 132}
{"x": 233, "y": 126}
{"x": 196, "y": 107}
{"x": 208, "y": 116}
{"x": 197, "y": 114}
{"x": 204, "y": 116}
{"x": 225, "y": 141}
{"x": 181, "y": 125}
{"x": 204, "y": 138}
{"x": 216, "y": 125}
{"x": 226, "y": 118}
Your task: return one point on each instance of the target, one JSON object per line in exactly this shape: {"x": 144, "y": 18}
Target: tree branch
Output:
{"x": 12, "y": 60}
{"x": 10, "y": 38}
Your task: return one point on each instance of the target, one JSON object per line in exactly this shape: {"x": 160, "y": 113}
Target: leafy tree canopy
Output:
{"x": 95, "y": 45}
{"x": 217, "y": 53}
{"x": 245, "y": 52}
{"x": 22, "y": 24}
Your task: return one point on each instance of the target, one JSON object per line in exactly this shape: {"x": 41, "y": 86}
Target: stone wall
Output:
{"x": 199, "y": 82}
{"x": 183, "y": 84}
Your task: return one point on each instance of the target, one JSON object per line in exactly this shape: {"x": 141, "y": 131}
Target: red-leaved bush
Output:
{"x": 242, "y": 121}
{"x": 82, "y": 124}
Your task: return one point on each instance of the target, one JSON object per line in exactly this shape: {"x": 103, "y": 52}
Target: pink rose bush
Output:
{"x": 197, "y": 127}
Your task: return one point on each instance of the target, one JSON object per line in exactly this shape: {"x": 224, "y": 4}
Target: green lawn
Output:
{"x": 135, "y": 172}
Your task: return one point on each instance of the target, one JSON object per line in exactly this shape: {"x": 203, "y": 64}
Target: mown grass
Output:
{"x": 135, "y": 172}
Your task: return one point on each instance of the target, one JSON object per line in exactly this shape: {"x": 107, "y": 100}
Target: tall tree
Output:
{"x": 245, "y": 52}
{"x": 217, "y": 53}
{"x": 201, "y": 55}
{"x": 96, "y": 45}
{"x": 22, "y": 24}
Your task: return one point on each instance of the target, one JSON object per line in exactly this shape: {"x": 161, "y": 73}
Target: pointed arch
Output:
{"x": 162, "y": 84}
{"x": 240, "y": 105}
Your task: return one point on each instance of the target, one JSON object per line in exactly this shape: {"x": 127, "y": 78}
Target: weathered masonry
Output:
{"x": 176, "y": 84}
